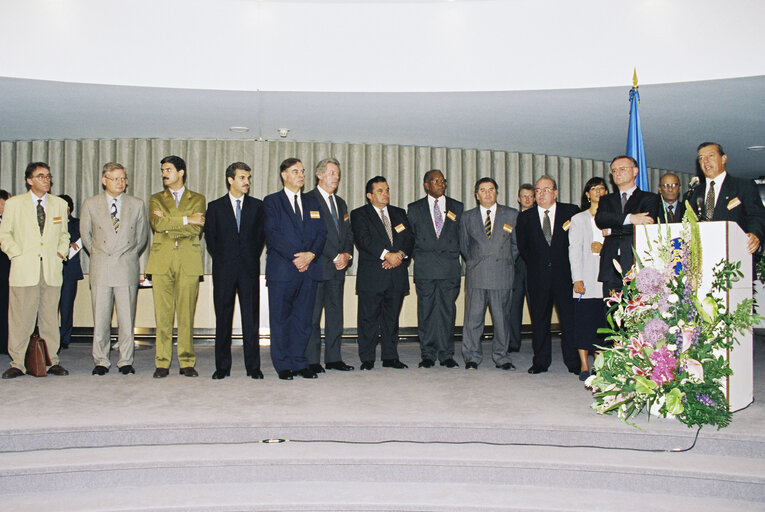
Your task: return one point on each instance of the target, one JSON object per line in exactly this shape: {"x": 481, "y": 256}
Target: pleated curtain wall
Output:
{"x": 76, "y": 168}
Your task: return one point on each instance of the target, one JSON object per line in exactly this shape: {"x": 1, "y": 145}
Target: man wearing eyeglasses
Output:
{"x": 619, "y": 212}
{"x": 672, "y": 208}
{"x": 114, "y": 230}
{"x": 34, "y": 235}
{"x": 434, "y": 220}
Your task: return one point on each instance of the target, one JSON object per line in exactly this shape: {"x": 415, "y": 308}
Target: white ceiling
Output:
{"x": 79, "y": 69}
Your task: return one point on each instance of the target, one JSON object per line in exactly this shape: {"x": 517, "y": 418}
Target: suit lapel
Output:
{"x": 726, "y": 194}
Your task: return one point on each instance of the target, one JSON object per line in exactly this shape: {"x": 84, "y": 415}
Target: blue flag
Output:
{"x": 635, "y": 147}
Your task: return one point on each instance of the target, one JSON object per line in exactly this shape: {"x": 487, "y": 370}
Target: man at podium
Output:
{"x": 724, "y": 197}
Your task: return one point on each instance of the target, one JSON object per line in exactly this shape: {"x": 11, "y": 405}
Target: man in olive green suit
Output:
{"x": 175, "y": 264}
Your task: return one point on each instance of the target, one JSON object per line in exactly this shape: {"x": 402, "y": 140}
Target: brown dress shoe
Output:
{"x": 57, "y": 369}
{"x": 161, "y": 373}
{"x": 189, "y": 371}
{"x": 12, "y": 373}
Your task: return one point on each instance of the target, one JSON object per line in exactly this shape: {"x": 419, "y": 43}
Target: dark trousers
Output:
{"x": 436, "y": 315}
{"x": 225, "y": 288}
{"x": 290, "y": 305}
{"x": 378, "y": 321}
{"x": 540, "y": 307}
{"x": 329, "y": 297}
{"x": 66, "y": 310}
{"x": 515, "y": 315}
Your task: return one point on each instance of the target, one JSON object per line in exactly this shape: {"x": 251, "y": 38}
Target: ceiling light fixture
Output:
{"x": 755, "y": 148}
{"x": 239, "y": 129}
{"x": 283, "y": 132}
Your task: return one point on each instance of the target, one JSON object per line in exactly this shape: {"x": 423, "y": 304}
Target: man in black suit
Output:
{"x": 543, "y": 244}
{"x": 725, "y": 197}
{"x": 234, "y": 235}
{"x": 435, "y": 224}
{"x": 619, "y": 212}
{"x": 526, "y": 201}
{"x": 5, "y": 269}
{"x": 385, "y": 241}
{"x": 672, "y": 209}
{"x": 72, "y": 273}
{"x": 334, "y": 261}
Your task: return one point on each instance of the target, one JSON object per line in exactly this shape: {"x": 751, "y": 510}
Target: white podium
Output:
{"x": 719, "y": 241}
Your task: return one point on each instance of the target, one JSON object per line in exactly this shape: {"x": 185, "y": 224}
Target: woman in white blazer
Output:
{"x": 585, "y": 242}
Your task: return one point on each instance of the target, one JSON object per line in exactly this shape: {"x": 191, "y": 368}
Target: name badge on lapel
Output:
{"x": 399, "y": 228}
{"x": 507, "y": 228}
{"x": 345, "y": 218}
{"x": 734, "y": 203}
{"x": 56, "y": 220}
{"x": 566, "y": 225}
{"x": 451, "y": 216}
{"x": 314, "y": 214}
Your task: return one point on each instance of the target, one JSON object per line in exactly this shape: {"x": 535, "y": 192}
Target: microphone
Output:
{"x": 700, "y": 208}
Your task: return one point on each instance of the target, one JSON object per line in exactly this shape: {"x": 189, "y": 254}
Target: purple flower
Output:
{"x": 664, "y": 364}
{"x": 650, "y": 281}
{"x": 655, "y": 331}
{"x": 703, "y": 398}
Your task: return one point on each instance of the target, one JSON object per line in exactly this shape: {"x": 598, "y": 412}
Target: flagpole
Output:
{"x": 635, "y": 147}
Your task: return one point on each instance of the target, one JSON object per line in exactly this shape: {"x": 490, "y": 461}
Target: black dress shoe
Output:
{"x": 450, "y": 363}
{"x": 161, "y": 373}
{"x": 339, "y": 365}
{"x": 127, "y": 369}
{"x": 307, "y": 373}
{"x": 220, "y": 374}
{"x": 57, "y": 369}
{"x": 506, "y": 366}
{"x": 189, "y": 371}
{"x": 575, "y": 371}
{"x": 12, "y": 373}
{"x": 285, "y": 374}
{"x": 394, "y": 363}
{"x": 316, "y": 368}
{"x": 426, "y": 363}
{"x": 471, "y": 366}
{"x": 535, "y": 370}
{"x": 100, "y": 370}
{"x": 255, "y": 374}
{"x": 367, "y": 365}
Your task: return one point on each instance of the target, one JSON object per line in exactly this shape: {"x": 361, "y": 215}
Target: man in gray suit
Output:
{"x": 114, "y": 230}
{"x": 487, "y": 242}
{"x": 434, "y": 220}
{"x": 334, "y": 261}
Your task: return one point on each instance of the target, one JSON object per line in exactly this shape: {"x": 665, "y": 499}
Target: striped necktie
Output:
{"x": 487, "y": 224}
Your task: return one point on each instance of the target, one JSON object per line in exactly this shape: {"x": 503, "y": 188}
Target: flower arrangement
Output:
{"x": 667, "y": 340}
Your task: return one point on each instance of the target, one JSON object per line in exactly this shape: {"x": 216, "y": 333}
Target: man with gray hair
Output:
{"x": 334, "y": 261}
{"x": 114, "y": 231}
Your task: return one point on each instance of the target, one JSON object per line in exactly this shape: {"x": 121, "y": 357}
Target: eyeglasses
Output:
{"x": 614, "y": 170}
{"x": 43, "y": 177}
{"x": 438, "y": 181}
{"x": 670, "y": 185}
{"x": 545, "y": 190}
{"x": 118, "y": 180}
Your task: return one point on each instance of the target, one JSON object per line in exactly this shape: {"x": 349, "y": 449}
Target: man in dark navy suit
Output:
{"x": 672, "y": 208}
{"x": 619, "y": 212}
{"x": 724, "y": 197}
{"x": 385, "y": 241}
{"x": 334, "y": 261}
{"x": 234, "y": 236}
{"x": 295, "y": 234}
{"x": 543, "y": 244}
{"x": 72, "y": 272}
{"x": 5, "y": 268}
{"x": 435, "y": 221}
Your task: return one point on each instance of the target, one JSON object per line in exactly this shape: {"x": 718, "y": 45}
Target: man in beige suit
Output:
{"x": 114, "y": 230}
{"x": 34, "y": 235}
{"x": 175, "y": 264}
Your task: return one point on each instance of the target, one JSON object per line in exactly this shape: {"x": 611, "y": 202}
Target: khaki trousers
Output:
{"x": 175, "y": 292}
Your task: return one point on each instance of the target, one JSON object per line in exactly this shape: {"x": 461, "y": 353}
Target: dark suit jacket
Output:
{"x": 435, "y": 258}
{"x": 547, "y": 266}
{"x": 618, "y": 245}
{"x": 73, "y": 268}
{"x": 749, "y": 215}
{"x": 233, "y": 250}
{"x": 371, "y": 238}
{"x": 337, "y": 243}
{"x": 285, "y": 237}
{"x": 679, "y": 212}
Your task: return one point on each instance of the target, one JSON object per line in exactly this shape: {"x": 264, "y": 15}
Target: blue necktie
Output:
{"x": 333, "y": 209}
{"x": 238, "y": 213}
{"x": 298, "y": 213}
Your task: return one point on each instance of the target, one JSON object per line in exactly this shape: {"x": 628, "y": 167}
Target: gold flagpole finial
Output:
{"x": 634, "y": 78}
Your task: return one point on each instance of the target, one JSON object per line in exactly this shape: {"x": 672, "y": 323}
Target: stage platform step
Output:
{"x": 406, "y": 476}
